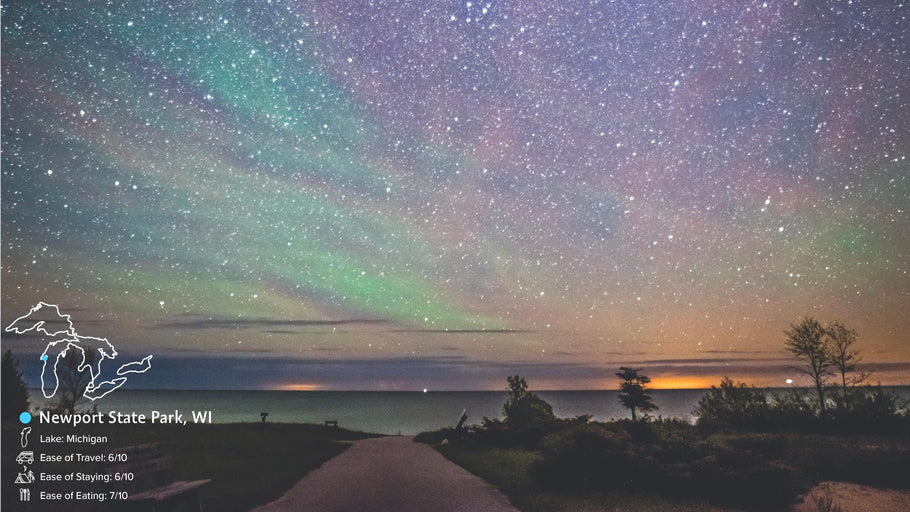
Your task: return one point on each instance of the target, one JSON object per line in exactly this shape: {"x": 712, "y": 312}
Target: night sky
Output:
{"x": 392, "y": 195}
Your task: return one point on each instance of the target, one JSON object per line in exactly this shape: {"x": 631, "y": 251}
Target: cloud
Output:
{"x": 263, "y": 370}
{"x": 464, "y": 331}
{"x": 255, "y": 323}
{"x": 711, "y": 361}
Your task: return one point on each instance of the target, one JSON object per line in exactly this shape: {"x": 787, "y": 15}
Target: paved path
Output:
{"x": 390, "y": 474}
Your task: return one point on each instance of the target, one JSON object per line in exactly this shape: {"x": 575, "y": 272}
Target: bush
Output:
{"x": 528, "y": 418}
{"x": 734, "y": 471}
{"x": 15, "y": 392}
{"x": 753, "y": 485}
{"x": 585, "y": 457}
{"x": 793, "y": 410}
{"x": 732, "y": 406}
{"x": 530, "y": 413}
{"x": 525, "y": 411}
{"x": 872, "y": 409}
{"x": 867, "y": 460}
{"x": 736, "y": 406}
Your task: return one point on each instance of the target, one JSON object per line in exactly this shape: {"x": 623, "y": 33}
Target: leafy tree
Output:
{"x": 732, "y": 405}
{"x": 844, "y": 359}
{"x": 525, "y": 410}
{"x": 807, "y": 341}
{"x": 518, "y": 390}
{"x": 15, "y": 392}
{"x": 632, "y": 392}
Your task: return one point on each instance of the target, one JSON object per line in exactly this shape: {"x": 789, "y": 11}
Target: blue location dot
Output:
{"x": 44, "y": 357}
{"x": 25, "y": 418}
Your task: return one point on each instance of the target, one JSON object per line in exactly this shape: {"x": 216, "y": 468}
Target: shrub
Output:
{"x": 493, "y": 432}
{"x": 641, "y": 432}
{"x": 793, "y": 410}
{"x": 15, "y": 392}
{"x": 872, "y": 409}
{"x": 733, "y": 471}
{"x": 528, "y": 418}
{"x": 732, "y": 406}
{"x": 750, "y": 484}
{"x": 525, "y": 410}
{"x": 530, "y": 413}
{"x": 585, "y": 457}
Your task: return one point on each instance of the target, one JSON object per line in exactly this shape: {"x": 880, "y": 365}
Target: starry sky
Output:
{"x": 400, "y": 195}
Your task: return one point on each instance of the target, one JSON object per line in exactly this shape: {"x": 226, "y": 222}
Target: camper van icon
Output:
{"x": 25, "y": 457}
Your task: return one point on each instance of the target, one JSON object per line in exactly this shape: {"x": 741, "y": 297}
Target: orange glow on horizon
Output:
{"x": 659, "y": 381}
{"x": 298, "y": 386}
{"x": 682, "y": 382}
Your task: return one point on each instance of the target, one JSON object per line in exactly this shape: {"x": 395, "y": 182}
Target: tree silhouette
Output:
{"x": 807, "y": 341}
{"x": 74, "y": 377}
{"x": 844, "y": 358}
{"x": 15, "y": 392}
{"x": 518, "y": 389}
{"x": 524, "y": 410}
{"x": 632, "y": 392}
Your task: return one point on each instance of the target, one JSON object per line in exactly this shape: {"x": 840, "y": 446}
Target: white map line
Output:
{"x": 69, "y": 339}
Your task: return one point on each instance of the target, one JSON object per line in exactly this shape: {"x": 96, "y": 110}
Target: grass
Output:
{"x": 752, "y": 466}
{"x": 509, "y": 470}
{"x": 879, "y": 461}
{"x": 249, "y": 464}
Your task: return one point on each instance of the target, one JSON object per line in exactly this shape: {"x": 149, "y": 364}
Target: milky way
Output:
{"x": 564, "y": 185}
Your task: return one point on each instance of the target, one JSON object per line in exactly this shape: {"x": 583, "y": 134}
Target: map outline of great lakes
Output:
{"x": 68, "y": 339}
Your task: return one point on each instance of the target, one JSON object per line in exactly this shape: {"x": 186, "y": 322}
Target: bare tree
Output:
{"x": 632, "y": 392}
{"x": 844, "y": 358}
{"x": 807, "y": 341}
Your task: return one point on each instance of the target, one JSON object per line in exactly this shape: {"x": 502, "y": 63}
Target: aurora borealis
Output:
{"x": 440, "y": 194}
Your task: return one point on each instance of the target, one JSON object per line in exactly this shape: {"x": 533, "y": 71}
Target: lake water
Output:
{"x": 383, "y": 412}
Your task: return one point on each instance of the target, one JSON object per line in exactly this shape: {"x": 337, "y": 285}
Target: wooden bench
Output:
{"x": 331, "y": 423}
{"x": 146, "y": 467}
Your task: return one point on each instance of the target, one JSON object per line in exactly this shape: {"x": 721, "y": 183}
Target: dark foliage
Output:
{"x": 866, "y": 461}
{"x": 676, "y": 462}
{"x": 732, "y": 405}
{"x": 793, "y": 410}
{"x": 528, "y": 418}
{"x": 585, "y": 457}
{"x": 870, "y": 409}
{"x": 15, "y": 393}
{"x": 752, "y": 449}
